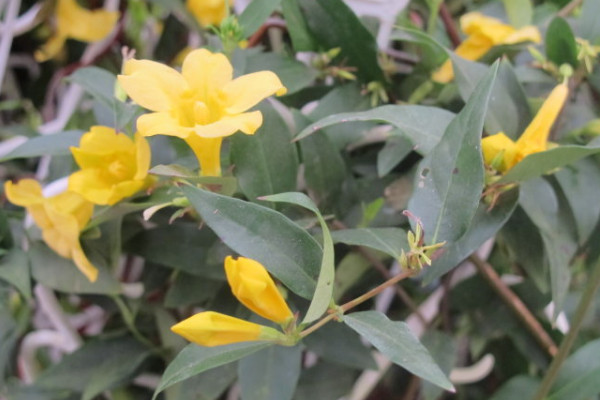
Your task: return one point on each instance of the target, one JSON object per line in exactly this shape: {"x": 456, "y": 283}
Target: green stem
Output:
{"x": 567, "y": 343}
{"x": 129, "y": 320}
{"x": 360, "y": 299}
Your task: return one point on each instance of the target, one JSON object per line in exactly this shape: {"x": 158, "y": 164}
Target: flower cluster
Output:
{"x": 502, "y": 153}
{"x": 483, "y": 33}
{"x": 251, "y": 284}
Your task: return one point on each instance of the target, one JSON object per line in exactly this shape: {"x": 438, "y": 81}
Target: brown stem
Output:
{"x": 260, "y": 33}
{"x": 515, "y": 304}
{"x": 450, "y": 25}
{"x": 568, "y": 9}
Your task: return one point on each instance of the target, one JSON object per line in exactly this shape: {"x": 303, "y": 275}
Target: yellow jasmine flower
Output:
{"x": 504, "y": 153}
{"x": 208, "y": 12}
{"x": 112, "y": 165}
{"x": 60, "y": 218}
{"x": 201, "y": 105}
{"x": 76, "y": 22}
{"x": 215, "y": 329}
{"x": 252, "y": 285}
{"x": 483, "y": 33}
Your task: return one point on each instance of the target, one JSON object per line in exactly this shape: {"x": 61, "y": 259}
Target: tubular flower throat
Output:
{"x": 208, "y": 12}
{"x": 112, "y": 165}
{"x": 76, "y": 22}
{"x": 201, "y": 105}
{"x": 503, "y": 153}
{"x": 253, "y": 287}
{"x": 60, "y": 218}
{"x": 483, "y": 33}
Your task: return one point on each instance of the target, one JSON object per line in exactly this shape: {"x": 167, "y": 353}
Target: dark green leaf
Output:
{"x": 270, "y": 374}
{"x": 324, "y": 290}
{"x": 423, "y": 125}
{"x": 255, "y": 14}
{"x": 450, "y": 178}
{"x": 395, "y": 150}
{"x": 293, "y": 74}
{"x": 443, "y": 350}
{"x": 396, "y": 341}
{"x": 61, "y": 274}
{"x": 14, "y": 269}
{"x": 508, "y": 109}
{"x": 257, "y": 232}
{"x": 578, "y": 377}
{"x": 388, "y": 240}
{"x": 433, "y": 53}
{"x": 49, "y": 145}
{"x": 519, "y": 387}
{"x": 334, "y": 24}
{"x": 302, "y": 39}
{"x": 561, "y": 47}
{"x": 208, "y": 385}
{"x": 194, "y": 359}
{"x": 325, "y": 382}
{"x": 265, "y": 163}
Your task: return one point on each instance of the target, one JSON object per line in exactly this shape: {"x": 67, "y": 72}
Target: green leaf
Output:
{"x": 561, "y": 47}
{"x": 101, "y": 85}
{"x": 443, "y": 350}
{"x": 588, "y": 23}
{"x": 97, "y": 366}
{"x": 450, "y": 178}
{"x": 61, "y": 274}
{"x": 257, "y": 232}
{"x": 324, "y": 291}
{"x": 422, "y": 125}
{"x": 578, "y": 377}
{"x": 333, "y": 24}
{"x": 293, "y": 74}
{"x": 270, "y": 374}
{"x": 14, "y": 269}
{"x": 396, "y": 341}
{"x": 194, "y": 359}
{"x": 210, "y": 384}
{"x": 265, "y": 163}
{"x": 339, "y": 344}
{"x": 508, "y": 110}
{"x": 388, "y": 240}
{"x": 433, "y": 53}
{"x": 255, "y": 14}
{"x": 537, "y": 164}
{"x": 519, "y": 387}
{"x": 519, "y": 12}
{"x": 542, "y": 205}
{"x": 486, "y": 223}
{"x": 578, "y": 183}
{"x": 395, "y": 150}
{"x": 300, "y": 35}
{"x": 325, "y": 381}
{"x": 48, "y": 145}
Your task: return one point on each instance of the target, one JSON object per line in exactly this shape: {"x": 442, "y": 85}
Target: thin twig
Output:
{"x": 568, "y": 9}
{"x": 450, "y": 25}
{"x": 12, "y": 11}
{"x": 565, "y": 347}
{"x": 515, "y": 304}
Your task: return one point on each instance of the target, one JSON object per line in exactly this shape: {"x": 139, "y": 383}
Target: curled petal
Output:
{"x": 246, "y": 122}
{"x": 161, "y": 123}
{"x": 525, "y": 34}
{"x": 82, "y": 24}
{"x": 24, "y": 193}
{"x": 248, "y": 90}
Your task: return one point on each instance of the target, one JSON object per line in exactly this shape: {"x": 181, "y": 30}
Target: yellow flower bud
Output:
{"x": 215, "y": 329}
{"x": 208, "y": 12}
{"x": 252, "y": 285}
{"x": 112, "y": 166}
{"x": 60, "y": 218}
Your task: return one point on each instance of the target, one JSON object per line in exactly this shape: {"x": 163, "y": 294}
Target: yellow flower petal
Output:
{"x": 247, "y": 90}
{"x": 246, "y": 122}
{"x": 494, "y": 145}
{"x": 525, "y": 34}
{"x": 83, "y": 264}
{"x": 24, "y": 193}
{"x": 208, "y": 12}
{"x": 50, "y": 49}
{"x": 215, "y": 329}
{"x": 477, "y": 23}
{"x": 251, "y": 284}
{"x": 142, "y": 157}
{"x": 472, "y": 48}
{"x": 85, "y": 25}
{"x": 206, "y": 72}
{"x": 153, "y": 85}
{"x": 208, "y": 152}
{"x": 161, "y": 123}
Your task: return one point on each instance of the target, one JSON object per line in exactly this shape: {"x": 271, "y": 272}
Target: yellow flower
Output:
{"x": 112, "y": 165}
{"x": 201, "y": 105}
{"x": 500, "y": 150}
{"x": 252, "y": 285}
{"x": 60, "y": 218}
{"x": 215, "y": 329}
{"x": 483, "y": 33}
{"x": 208, "y": 12}
{"x": 76, "y": 22}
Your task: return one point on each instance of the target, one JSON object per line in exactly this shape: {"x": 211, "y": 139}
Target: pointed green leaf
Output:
{"x": 194, "y": 359}
{"x": 270, "y": 374}
{"x": 561, "y": 47}
{"x": 450, "y": 178}
{"x": 257, "y": 232}
{"x": 396, "y": 341}
{"x": 388, "y": 240}
{"x": 578, "y": 377}
{"x": 14, "y": 269}
{"x": 423, "y": 125}
{"x": 255, "y": 14}
{"x": 520, "y": 386}
{"x": 300, "y": 35}
{"x": 48, "y": 145}
{"x": 324, "y": 290}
